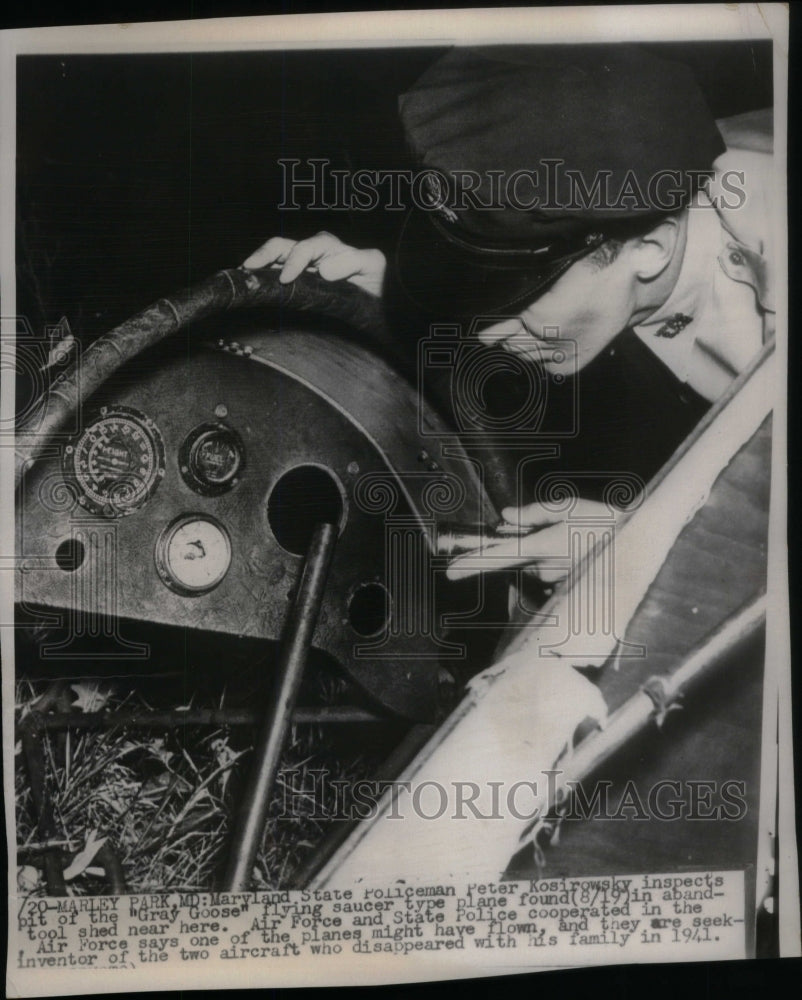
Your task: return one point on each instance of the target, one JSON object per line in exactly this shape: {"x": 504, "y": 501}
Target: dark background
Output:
{"x": 137, "y": 174}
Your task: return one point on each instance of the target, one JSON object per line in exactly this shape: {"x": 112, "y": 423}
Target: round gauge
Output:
{"x": 211, "y": 459}
{"x": 193, "y": 554}
{"x": 117, "y": 462}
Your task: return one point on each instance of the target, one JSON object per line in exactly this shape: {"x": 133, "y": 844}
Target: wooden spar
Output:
{"x": 518, "y": 716}
{"x": 657, "y": 696}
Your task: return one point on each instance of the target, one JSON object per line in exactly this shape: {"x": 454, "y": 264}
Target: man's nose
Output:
{"x": 501, "y": 331}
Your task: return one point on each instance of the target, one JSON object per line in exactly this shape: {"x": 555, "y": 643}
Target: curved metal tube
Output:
{"x": 234, "y": 288}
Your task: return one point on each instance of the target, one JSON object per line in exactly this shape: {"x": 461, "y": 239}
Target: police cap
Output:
{"x": 529, "y": 157}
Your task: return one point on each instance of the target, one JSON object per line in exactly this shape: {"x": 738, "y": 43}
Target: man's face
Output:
{"x": 569, "y": 325}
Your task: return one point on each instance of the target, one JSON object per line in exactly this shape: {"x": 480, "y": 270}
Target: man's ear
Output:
{"x": 655, "y": 250}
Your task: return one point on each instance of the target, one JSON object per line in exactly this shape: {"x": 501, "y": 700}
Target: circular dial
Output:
{"x": 117, "y": 462}
{"x": 211, "y": 459}
{"x": 193, "y": 554}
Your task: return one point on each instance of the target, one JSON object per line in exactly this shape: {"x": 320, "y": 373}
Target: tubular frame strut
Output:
{"x": 324, "y": 715}
{"x": 298, "y": 635}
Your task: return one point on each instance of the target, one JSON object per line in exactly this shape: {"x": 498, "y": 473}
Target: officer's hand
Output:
{"x": 545, "y": 551}
{"x": 324, "y": 253}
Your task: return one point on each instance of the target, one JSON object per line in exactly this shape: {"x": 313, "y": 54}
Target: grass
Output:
{"x": 165, "y": 799}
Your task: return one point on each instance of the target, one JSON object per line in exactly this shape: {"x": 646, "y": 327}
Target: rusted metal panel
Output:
{"x": 296, "y": 400}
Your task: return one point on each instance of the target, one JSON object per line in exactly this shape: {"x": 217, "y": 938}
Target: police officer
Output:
{"x": 574, "y": 192}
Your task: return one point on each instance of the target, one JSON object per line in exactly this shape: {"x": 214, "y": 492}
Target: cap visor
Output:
{"x": 448, "y": 281}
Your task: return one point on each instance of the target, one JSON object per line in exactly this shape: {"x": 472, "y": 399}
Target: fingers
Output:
{"x": 294, "y": 256}
{"x": 532, "y": 515}
{"x": 333, "y": 259}
{"x": 350, "y": 263}
{"x": 309, "y": 252}
{"x": 546, "y": 549}
{"x": 537, "y": 514}
{"x": 273, "y": 252}
{"x": 472, "y": 565}
{"x": 545, "y": 545}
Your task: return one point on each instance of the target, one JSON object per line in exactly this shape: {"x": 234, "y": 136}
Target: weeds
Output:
{"x": 163, "y": 800}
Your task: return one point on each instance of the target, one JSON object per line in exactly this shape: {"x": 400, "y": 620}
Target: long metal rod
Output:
{"x": 325, "y": 714}
{"x": 34, "y": 754}
{"x": 110, "y": 863}
{"x": 267, "y": 755}
{"x": 658, "y": 694}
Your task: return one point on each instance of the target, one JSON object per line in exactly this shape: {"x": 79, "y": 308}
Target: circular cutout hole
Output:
{"x": 369, "y": 609}
{"x": 70, "y": 555}
{"x": 304, "y": 497}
